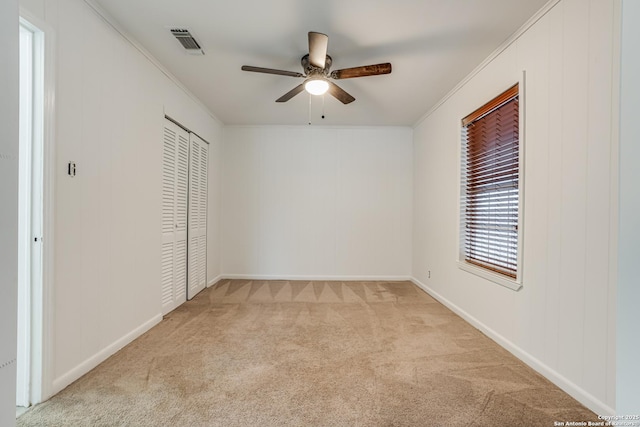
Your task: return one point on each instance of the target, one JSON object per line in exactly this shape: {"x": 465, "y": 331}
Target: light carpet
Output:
{"x": 288, "y": 353}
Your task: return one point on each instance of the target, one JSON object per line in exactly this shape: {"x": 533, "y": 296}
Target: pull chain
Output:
{"x": 322, "y": 106}
{"x": 309, "y": 109}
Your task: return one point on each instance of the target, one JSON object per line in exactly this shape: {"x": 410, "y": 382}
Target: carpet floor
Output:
{"x": 281, "y": 353}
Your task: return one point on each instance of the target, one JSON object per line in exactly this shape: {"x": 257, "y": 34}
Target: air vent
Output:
{"x": 187, "y": 41}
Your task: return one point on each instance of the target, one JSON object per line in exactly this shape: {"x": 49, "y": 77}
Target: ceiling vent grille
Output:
{"x": 187, "y": 41}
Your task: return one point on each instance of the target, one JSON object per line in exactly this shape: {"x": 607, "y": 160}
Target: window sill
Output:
{"x": 494, "y": 277}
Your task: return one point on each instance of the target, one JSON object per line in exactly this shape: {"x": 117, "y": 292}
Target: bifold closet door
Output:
{"x": 197, "y": 232}
{"x": 175, "y": 175}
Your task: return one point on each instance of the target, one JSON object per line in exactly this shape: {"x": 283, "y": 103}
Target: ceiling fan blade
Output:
{"x": 339, "y": 93}
{"x": 365, "y": 70}
{"x": 318, "y": 44}
{"x": 271, "y": 71}
{"x": 293, "y": 92}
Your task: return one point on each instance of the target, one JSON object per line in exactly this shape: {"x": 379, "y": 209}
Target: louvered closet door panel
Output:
{"x": 202, "y": 241}
{"x": 198, "y": 172}
{"x": 170, "y": 143}
{"x": 194, "y": 216}
{"x": 173, "y": 266}
{"x": 182, "y": 186}
{"x": 180, "y": 277}
{"x": 182, "y": 183}
{"x": 167, "y": 275}
{"x": 168, "y": 181}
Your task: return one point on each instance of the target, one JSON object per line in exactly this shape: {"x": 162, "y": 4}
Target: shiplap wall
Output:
{"x": 110, "y": 106}
{"x": 627, "y": 331}
{"x": 562, "y": 321}
{"x": 8, "y": 208}
{"x": 316, "y": 202}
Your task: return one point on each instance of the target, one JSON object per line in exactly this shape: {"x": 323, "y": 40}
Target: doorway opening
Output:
{"x": 34, "y": 130}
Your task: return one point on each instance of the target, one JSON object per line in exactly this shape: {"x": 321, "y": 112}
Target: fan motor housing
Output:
{"x": 309, "y": 69}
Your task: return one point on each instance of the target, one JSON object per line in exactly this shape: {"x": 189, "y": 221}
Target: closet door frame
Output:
{"x": 184, "y": 215}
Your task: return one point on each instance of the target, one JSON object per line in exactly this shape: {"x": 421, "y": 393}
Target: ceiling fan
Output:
{"x": 316, "y": 65}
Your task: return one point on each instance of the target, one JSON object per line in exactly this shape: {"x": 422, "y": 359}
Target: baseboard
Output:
{"x": 214, "y": 280}
{"x": 311, "y": 278}
{"x": 64, "y": 380}
{"x": 569, "y": 387}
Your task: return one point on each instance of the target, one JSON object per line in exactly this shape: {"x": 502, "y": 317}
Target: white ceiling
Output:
{"x": 431, "y": 44}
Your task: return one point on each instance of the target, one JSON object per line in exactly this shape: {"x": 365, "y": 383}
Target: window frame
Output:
{"x": 498, "y": 278}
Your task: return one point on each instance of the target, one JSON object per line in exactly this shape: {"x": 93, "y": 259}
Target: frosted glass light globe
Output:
{"x": 316, "y": 86}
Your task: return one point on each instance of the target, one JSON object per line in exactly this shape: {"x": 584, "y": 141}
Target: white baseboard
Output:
{"x": 311, "y": 278}
{"x": 214, "y": 280}
{"x": 569, "y": 387}
{"x": 64, "y": 380}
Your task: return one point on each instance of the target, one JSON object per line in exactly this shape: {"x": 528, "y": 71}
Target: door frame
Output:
{"x": 40, "y": 304}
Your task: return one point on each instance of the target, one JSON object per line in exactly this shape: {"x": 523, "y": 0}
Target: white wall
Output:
{"x": 562, "y": 321}
{"x": 8, "y": 208}
{"x": 110, "y": 107}
{"x": 316, "y": 202}
{"x": 628, "y": 333}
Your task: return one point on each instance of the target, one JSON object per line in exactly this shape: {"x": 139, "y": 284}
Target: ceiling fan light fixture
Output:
{"x": 316, "y": 65}
{"x": 316, "y": 86}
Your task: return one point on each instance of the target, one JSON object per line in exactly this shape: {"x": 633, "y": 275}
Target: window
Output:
{"x": 490, "y": 194}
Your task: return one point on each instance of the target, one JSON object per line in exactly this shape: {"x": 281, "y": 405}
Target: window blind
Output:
{"x": 490, "y": 178}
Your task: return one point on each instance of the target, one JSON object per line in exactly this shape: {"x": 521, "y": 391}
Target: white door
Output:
{"x": 175, "y": 175}
{"x": 198, "y": 172}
